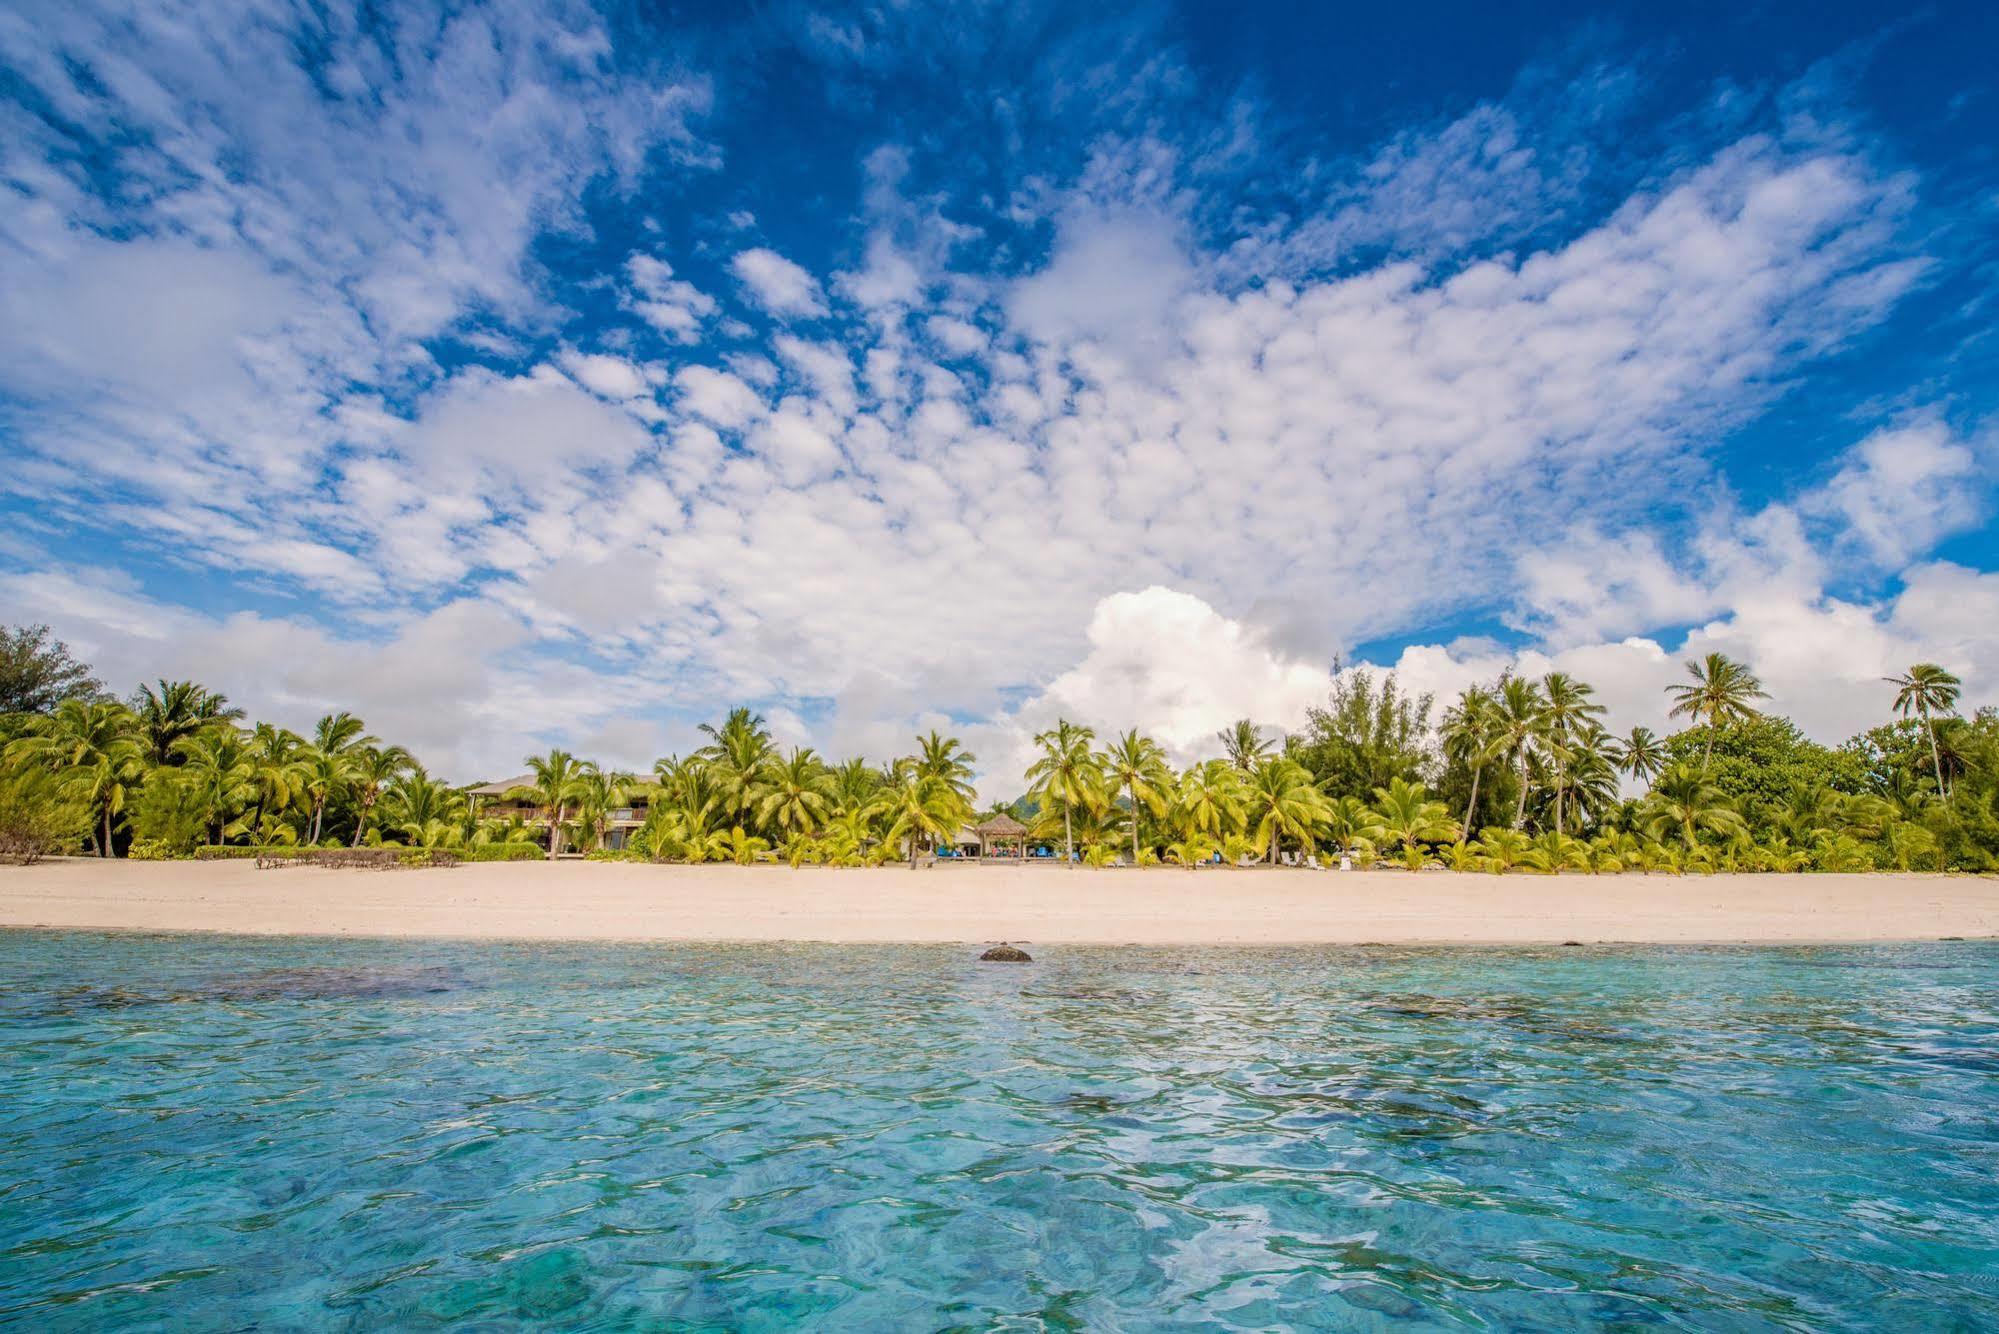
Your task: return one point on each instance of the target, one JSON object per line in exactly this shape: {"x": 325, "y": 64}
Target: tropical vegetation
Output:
{"x": 1518, "y": 774}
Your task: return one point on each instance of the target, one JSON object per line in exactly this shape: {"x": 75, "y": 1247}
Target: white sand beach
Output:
{"x": 623, "y": 901}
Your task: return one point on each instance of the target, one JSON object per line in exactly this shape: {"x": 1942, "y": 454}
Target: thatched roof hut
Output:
{"x": 1001, "y": 828}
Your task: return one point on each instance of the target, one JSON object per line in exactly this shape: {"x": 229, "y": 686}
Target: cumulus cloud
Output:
{"x": 779, "y": 286}
{"x": 1901, "y": 490}
{"x": 1070, "y": 440}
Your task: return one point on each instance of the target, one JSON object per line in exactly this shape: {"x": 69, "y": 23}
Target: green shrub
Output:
{"x": 169, "y": 813}
{"x": 152, "y": 850}
{"x": 38, "y": 817}
{"x": 502, "y": 852}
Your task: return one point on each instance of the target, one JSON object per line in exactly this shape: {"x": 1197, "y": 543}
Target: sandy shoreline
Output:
{"x": 617, "y": 901}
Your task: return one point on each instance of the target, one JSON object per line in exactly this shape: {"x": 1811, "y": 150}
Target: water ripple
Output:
{"x": 228, "y": 1133}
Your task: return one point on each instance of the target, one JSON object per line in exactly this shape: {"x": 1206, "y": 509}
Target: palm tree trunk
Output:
{"x": 1520, "y": 806}
{"x": 1471, "y": 807}
{"x": 1068, "y": 839}
{"x": 1131, "y": 790}
{"x": 1561, "y": 781}
{"x": 1936, "y": 756}
{"x": 555, "y": 833}
{"x": 104, "y": 846}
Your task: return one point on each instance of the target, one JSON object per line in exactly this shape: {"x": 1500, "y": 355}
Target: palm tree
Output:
{"x": 558, "y": 781}
{"x": 279, "y": 755}
{"x": 423, "y": 810}
{"x": 914, "y": 807}
{"x": 94, "y": 750}
{"x": 1243, "y": 741}
{"x": 1347, "y": 821}
{"x": 1404, "y": 814}
{"x": 1927, "y": 689}
{"x": 1519, "y": 721}
{"x": 736, "y": 753}
{"x": 1207, "y": 801}
{"x": 1685, "y": 802}
{"x": 1592, "y": 773}
{"x": 944, "y": 759}
{"x": 794, "y": 795}
{"x": 1282, "y": 799}
{"x": 1066, "y": 775}
{"x": 1723, "y": 691}
{"x": 855, "y": 782}
{"x": 1641, "y": 754}
{"x": 341, "y": 734}
{"x": 370, "y": 770}
{"x": 222, "y": 774}
{"x": 1567, "y": 711}
{"x": 1468, "y": 734}
{"x": 597, "y": 794}
{"x": 1137, "y": 764}
{"x": 176, "y": 711}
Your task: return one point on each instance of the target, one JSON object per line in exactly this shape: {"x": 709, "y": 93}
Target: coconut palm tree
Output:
{"x": 1683, "y": 801}
{"x": 597, "y": 794}
{"x": 1137, "y": 764}
{"x": 855, "y": 782}
{"x": 558, "y": 784}
{"x": 222, "y": 774}
{"x": 794, "y": 795}
{"x": 1469, "y": 735}
{"x": 174, "y": 712}
{"x": 942, "y": 758}
{"x": 1405, "y": 815}
{"x": 1926, "y": 690}
{"x": 1722, "y": 691}
{"x": 1245, "y": 745}
{"x": 1519, "y": 722}
{"x": 1347, "y": 821}
{"x": 736, "y": 753}
{"x": 370, "y": 770}
{"x": 279, "y": 755}
{"x": 1281, "y": 798}
{"x": 423, "y": 810}
{"x": 913, "y": 808}
{"x": 1207, "y": 801}
{"x": 93, "y": 749}
{"x": 1592, "y": 773}
{"x": 1641, "y": 754}
{"x": 1066, "y": 776}
{"x": 1568, "y": 710}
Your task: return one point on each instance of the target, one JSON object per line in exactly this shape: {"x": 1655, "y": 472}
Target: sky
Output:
{"x": 522, "y": 375}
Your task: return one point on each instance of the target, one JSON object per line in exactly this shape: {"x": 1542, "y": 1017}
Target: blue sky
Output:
{"x": 560, "y": 374}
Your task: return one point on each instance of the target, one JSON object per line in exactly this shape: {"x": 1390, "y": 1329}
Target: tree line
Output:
{"x": 1518, "y": 773}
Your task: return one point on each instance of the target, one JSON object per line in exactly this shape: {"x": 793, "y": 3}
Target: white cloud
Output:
{"x": 717, "y": 397}
{"x": 1901, "y": 490}
{"x": 612, "y": 377}
{"x": 1113, "y": 279}
{"x": 517, "y": 428}
{"x": 673, "y": 307}
{"x": 780, "y": 286}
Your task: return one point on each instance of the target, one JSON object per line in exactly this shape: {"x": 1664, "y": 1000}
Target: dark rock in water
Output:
{"x": 1005, "y": 953}
{"x": 332, "y": 983}
{"x": 1571, "y": 944}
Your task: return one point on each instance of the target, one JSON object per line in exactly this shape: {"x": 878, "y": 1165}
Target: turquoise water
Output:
{"x": 220, "y": 1133}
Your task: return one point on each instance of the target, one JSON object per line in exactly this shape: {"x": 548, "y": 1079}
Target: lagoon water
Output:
{"x": 203, "y": 1132}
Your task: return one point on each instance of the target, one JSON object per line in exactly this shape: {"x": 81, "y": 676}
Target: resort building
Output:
{"x": 505, "y": 800}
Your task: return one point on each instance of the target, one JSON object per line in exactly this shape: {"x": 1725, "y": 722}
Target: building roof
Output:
{"x": 1001, "y": 826}
{"x": 502, "y": 788}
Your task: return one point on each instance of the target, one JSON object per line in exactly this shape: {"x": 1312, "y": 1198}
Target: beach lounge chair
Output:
{"x": 1313, "y": 862}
